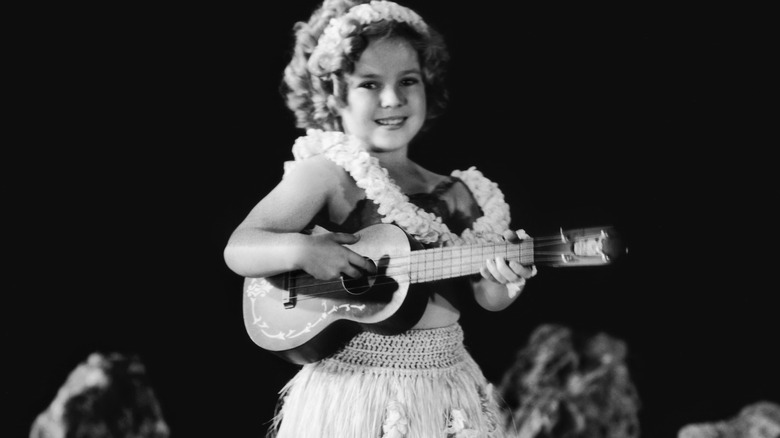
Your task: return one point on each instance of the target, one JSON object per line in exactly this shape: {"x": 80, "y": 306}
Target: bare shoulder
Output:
{"x": 317, "y": 167}
{"x": 306, "y": 188}
{"x": 318, "y": 174}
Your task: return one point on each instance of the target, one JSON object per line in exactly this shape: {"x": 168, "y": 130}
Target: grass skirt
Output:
{"x": 419, "y": 384}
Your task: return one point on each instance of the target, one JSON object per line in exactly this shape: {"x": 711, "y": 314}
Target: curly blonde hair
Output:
{"x": 314, "y": 91}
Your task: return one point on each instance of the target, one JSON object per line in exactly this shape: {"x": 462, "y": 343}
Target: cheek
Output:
{"x": 358, "y": 106}
{"x": 417, "y": 95}
{"x": 419, "y": 100}
{"x": 352, "y": 118}
{"x": 350, "y": 115}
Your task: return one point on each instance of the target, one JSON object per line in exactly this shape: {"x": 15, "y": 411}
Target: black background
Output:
{"x": 144, "y": 135}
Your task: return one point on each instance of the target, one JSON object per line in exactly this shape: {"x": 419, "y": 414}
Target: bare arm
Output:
{"x": 269, "y": 240}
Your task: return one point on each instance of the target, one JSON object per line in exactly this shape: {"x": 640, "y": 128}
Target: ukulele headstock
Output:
{"x": 582, "y": 247}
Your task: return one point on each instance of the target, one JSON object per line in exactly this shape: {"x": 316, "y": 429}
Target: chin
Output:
{"x": 393, "y": 139}
{"x": 385, "y": 145}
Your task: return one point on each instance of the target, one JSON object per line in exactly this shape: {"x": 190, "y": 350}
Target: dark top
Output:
{"x": 445, "y": 201}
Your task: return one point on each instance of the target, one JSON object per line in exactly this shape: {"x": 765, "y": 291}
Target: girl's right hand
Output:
{"x": 326, "y": 257}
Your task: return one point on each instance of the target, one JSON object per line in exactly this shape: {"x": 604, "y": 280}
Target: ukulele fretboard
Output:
{"x": 458, "y": 261}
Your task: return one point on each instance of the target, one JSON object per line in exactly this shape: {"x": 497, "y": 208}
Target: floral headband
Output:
{"x": 378, "y": 10}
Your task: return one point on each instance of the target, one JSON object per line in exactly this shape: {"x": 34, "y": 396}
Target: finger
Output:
{"x": 521, "y": 270}
{"x": 371, "y": 266}
{"x": 345, "y": 238}
{"x": 503, "y": 268}
{"x": 486, "y": 274}
{"x": 363, "y": 263}
{"x": 326, "y": 275}
{"x": 352, "y": 272}
{"x": 533, "y": 270}
{"x": 522, "y": 235}
{"x": 490, "y": 264}
{"x": 359, "y": 261}
{"x": 509, "y": 236}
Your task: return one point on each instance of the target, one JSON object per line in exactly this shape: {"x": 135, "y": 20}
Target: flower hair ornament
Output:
{"x": 331, "y": 42}
{"x": 394, "y": 206}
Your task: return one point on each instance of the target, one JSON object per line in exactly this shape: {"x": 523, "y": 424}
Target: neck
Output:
{"x": 395, "y": 160}
{"x": 409, "y": 176}
{"x": 398, "y": 165}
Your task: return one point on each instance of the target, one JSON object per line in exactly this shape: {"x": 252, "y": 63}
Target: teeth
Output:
{"x": 391, "y": 121}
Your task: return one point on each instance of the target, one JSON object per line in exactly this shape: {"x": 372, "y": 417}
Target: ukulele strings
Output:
{"x": 538, "y": 255}
{"x": 402, "y": 268}
{"x": 400, "y": 265}
{"x": 380, "y": 280}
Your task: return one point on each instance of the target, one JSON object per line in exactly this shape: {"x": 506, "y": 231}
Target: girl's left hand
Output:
{"x": 511, "y": 273}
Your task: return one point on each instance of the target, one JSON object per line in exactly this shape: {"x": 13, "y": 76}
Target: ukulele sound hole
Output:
{"x": 360, "y": 285}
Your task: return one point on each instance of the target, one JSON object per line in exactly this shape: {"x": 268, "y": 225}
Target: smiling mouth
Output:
{"x": 391, "y": 121}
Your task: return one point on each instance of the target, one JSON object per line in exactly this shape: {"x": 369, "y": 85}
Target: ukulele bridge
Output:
{"x": 289, "y": 297}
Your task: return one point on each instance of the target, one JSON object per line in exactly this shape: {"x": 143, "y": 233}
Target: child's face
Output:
{"x": 385, "y": 96}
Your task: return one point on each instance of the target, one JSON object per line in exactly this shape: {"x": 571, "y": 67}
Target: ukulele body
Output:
{"x": 303, "y": 319}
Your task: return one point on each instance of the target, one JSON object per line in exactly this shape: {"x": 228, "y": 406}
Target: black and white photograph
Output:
{"x": 420, "y": 219}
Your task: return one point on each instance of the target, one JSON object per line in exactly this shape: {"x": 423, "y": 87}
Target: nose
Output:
{"x": 392, "y": 97}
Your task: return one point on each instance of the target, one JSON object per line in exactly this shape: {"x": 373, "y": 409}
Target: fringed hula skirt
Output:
{"x": 419, "y": 384}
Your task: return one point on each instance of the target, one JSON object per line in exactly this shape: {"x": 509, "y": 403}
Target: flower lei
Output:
{"x": 333, "y": 36}
{"x": 394, "y": 206}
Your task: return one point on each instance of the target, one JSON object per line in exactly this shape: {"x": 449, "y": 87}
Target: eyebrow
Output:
{"x": 402, "y": 73}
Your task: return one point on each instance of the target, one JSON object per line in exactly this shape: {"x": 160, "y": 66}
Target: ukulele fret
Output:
{"x": 456, "y": 256}
{"x": 446, "y": 271}
{"x": 414, "y": 263}
{"x": 430, "y": 260}
{"x": 438, "y": 264}
{"x": 475, "y": 261}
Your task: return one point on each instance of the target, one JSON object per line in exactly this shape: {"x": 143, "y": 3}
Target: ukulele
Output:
{"x": 303, "y": 320}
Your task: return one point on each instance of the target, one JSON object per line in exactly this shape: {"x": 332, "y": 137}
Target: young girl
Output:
{"x": 363, "y": 80}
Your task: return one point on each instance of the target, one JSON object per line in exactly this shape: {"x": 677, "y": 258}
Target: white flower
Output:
{"x": 396, "y": 424}
{"x": 457, "y": 426}
{"x": 331, "y": 40}
{"x": 349, "y": 153}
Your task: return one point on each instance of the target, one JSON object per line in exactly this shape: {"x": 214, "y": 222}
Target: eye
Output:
{"x": 409, "y": 81}
{"x": 369, "y": 85}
